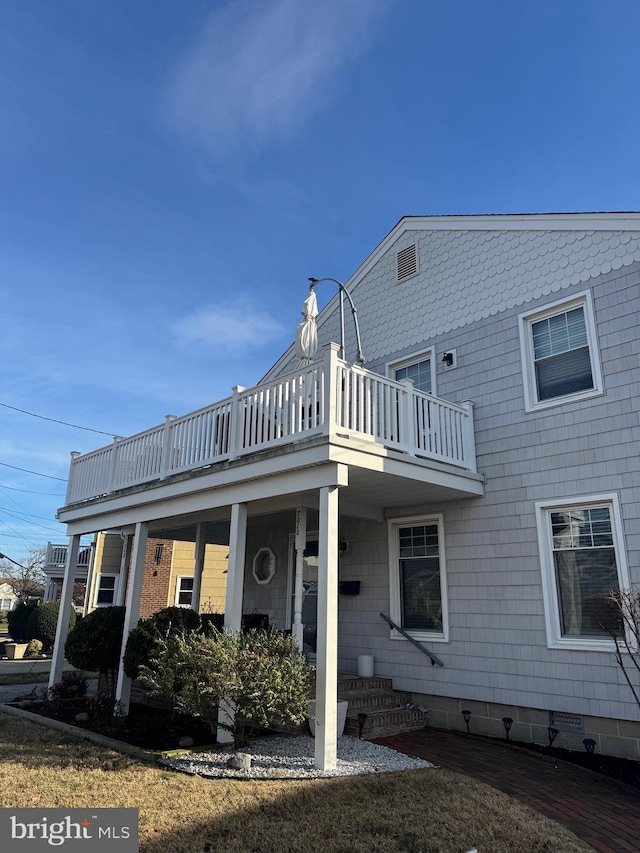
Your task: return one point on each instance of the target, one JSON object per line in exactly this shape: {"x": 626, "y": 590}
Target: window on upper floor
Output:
{"x": 184, "y": 591}
{"x": 105, "y": 590}
{"x": 559, "y": 353}
{"x": 419, "y": 369}
{"x": 582, "y": 560}
{"x": 417, "y": 577}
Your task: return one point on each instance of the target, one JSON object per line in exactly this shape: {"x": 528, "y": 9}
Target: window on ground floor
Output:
{"x": 105, "y": 594}
{"x": 583, "y": 559}
{"x": 184, "y": 591}
{"x": 417, "y": 577}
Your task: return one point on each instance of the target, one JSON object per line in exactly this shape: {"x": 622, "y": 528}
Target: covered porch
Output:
{"x": 305, "y": 454}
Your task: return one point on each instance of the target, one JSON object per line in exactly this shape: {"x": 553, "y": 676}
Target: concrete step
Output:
{"x": 386, "y": 722}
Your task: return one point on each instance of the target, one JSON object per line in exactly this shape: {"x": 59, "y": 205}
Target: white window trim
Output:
{"x": 526, "y": 321}
{"x": 555, "y": 640}
{"x": 414, "y": 358}
{"x": 96, "y": 590}
{"x": 178, "y": 590}
{"x": 395, "y": 598}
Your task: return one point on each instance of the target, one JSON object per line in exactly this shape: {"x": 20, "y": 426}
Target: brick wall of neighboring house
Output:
{"x": 157, "y": 576}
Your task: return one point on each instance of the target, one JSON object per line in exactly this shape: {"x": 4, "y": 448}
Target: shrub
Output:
{"x": 260, "y": 674}
{"x": 43, "y": 622}
{"x": 72, "y": 686}
{"x": 34, "y": 649}
{"x": 17, "y": 621}
{"x": 142, "y": 642}
{"x": 96, "y": 641}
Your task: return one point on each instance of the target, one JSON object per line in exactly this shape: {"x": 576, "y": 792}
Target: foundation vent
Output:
{"x": 565, "y": 722}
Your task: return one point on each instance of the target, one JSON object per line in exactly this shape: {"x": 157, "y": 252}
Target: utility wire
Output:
{"x": 30, "y": 492}
{"x": 55, "y": 420}
{"x": 27, "y": 471}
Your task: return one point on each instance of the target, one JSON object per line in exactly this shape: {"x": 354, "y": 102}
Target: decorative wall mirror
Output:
{"x": 264, "y": 566}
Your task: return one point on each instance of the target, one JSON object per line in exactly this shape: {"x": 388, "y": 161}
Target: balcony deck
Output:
{"x": 327, "y": 400}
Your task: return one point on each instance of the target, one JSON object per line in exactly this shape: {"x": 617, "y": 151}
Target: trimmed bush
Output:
{"x": 95, "y": 643}
{"x": 43, "y": 623}
{"x": 142, "y": 644}
{"x": 17, "y": 621}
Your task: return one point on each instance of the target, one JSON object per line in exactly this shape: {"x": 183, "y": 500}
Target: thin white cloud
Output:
{"x": 259, "y": 70}
{"x": 237, "y": 326}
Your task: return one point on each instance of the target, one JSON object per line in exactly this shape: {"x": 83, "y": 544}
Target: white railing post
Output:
{"x": 236, "y": 422}
{"x": 331, "y": 390}
{"x": 165, "y": 459}
{"x": 407, "y": 417}
{"x": 468, "y": 437}
{"x": 72, "y": 477}
{"x": 113, "y": 464}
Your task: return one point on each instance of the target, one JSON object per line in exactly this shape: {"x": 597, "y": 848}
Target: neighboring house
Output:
{"x": 477, "y": 482}
{"x": 8, "y": 598}
{"x": 168, "y": 574}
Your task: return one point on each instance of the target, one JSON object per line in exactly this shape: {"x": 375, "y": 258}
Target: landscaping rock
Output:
{"x": 82, "y": 717}
{"x": 239, "y": 761}
{"x": 185, "y": 741}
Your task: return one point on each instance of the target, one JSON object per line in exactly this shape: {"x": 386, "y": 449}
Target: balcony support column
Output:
{"x": 57, "y": 662}
{"x": 198, "y": 567}
{"x": 123, "y": 685}
{"x": 233, "y": 602}
{"x": 124, "y": 568}
{"x": 327, "y": 648}
{"x": 300, "y": 543}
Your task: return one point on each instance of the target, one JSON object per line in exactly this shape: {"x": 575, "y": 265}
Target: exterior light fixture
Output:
{"x": 553, "y": 734}
{"x": 362, "y": 719}
{"x": 466, "y": 716}
{"x": 507, "y": 722}
{"x": 344, "y": 292}
{"x": 589, "y": 745}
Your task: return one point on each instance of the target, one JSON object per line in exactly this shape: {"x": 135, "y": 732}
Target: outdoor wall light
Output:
{"x": 466, "y": 716}
{"x": 553, "y": 734}
{"x": 447, "y": 358}
{"x": 507, "y": 722}
{"x": 589, "y": 745}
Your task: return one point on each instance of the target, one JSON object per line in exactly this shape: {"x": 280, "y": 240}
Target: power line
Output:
{"x": 30, "y": 492}
{"x": 55, "y": 420}
{"x": 27, "y": 471}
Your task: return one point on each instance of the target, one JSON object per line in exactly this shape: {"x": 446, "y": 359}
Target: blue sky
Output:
{"x": 168, "y": 168}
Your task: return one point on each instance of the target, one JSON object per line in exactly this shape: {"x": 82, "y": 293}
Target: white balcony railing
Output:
{"x": 326, "y": 398}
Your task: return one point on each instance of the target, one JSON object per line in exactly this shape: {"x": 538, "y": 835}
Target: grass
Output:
{"x": 424, "y": 811}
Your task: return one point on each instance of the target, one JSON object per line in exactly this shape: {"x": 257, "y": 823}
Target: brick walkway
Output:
{"x": 600, "y": 811}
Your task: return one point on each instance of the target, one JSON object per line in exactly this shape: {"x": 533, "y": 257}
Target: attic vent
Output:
{"x": 407, "y": 262}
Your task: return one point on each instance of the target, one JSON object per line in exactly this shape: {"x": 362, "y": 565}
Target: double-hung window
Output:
{"x": 418, "y": 370}
{"x": 105, "y": 590}
{"x": 184, "y": 591}
{"x": 582, "y": 559}
{"x": 559, "y": 353}
{"x": 417, "y": 577}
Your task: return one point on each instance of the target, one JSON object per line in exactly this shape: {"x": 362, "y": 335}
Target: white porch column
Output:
{"x": 235, "y": 588}
{"x": 327, "y": 649}
{"x": 199, "y": 567}
{"x": 86, "y": 605}
{"x": 235, "y": 568}
{"x": 301, "y": 541}
{"x": 124, "y": 565}
{"x": 123, "y": 686}
{"x": 57, "y": 662}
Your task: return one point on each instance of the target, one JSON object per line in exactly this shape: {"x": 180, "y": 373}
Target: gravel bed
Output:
{"x": 292, "y": 758}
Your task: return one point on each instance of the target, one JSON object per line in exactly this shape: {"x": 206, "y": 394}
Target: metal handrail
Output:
{"x": 434, "y": 658}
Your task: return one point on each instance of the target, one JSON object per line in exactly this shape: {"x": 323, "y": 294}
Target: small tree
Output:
{"x": 142, "y": 643}
{"x": 17, "y": 621}
{"x": 619, "y": 614}
{"x": 260, "y": 674}
{"x": 43, "y": 622}
{"x": 96, "y": 642}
